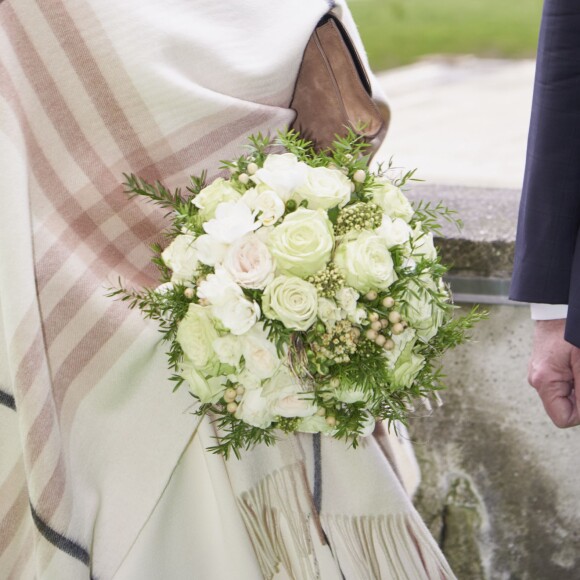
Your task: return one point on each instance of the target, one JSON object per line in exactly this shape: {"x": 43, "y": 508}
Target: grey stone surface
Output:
{"x": 521, "y": 516}
{"x": 485, "y": 245}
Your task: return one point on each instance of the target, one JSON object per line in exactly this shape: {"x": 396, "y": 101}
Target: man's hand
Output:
{"x": 554, "y": 370}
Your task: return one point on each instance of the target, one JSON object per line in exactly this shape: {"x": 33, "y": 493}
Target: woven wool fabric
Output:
{"x": 90, "y": 435}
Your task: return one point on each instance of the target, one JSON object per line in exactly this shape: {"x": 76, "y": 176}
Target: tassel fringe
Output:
{"x": 279, "y": 521}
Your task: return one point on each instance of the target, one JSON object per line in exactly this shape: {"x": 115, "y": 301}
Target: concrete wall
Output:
{"x": 501, "y": 484}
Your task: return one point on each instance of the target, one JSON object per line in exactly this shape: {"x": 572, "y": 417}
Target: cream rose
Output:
{"x": 365, "y": 262}
{"x": 196, "y": 334}
{"x": 260, "y": 355}
{"x": 207, "y": 200}
{"x": 302, "y": 243}
{"x": 254, "y": 409}
{"x": 282, "y": 174}
{"x": 291, "y": 300}
{"x": 324, "y": 188}
{"x": 182, "y": 258}
{"x": 391, "y": 200}
{"x": 249, "y": 262}
{"x": 287, "y": 397}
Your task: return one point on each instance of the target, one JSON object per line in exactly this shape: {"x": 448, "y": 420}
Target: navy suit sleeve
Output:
{"x": 547, "y": 258}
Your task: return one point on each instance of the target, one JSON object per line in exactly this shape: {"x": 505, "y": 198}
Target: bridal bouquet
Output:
{"x": 301, "y": 293}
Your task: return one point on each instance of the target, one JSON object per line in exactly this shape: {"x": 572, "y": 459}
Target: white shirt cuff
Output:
{"x": 549, "y": 311}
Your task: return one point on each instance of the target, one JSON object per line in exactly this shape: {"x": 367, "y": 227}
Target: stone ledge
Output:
{"x": 485, "y": 246}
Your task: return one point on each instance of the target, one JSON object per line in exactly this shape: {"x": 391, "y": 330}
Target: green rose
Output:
{"x": 196, "y": 334}
{"x": 219, "y": 191}
{"x": 291, "y": 300}
{"x": 315, "y": 424}
{"x": 365, "y": 261}
{"x": 207, "y": 390}
{"x": 302, "y": 243}
{"x": 408, "y": 366}
{"x": 420, "y": 310}
{"x": 391, "y": 200}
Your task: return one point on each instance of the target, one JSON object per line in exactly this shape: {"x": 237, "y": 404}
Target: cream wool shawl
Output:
{"x": 90, "y": 435}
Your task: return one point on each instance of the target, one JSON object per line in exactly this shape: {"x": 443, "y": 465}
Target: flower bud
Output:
{"x": 394, "y": 317}
{"x": 388, "y": 302}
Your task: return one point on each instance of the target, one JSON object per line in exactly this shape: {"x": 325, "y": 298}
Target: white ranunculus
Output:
{"x": 207, "y": 390}
{"x": 347, "y": 299}
{"x": 219, "y": 288}
{"x": 423, "y": 246}
{"x": 365, "y": 261}
{"x": 207, "y": 200}
{"x": 238, "y": 314}
{"x": 254, "y": 409}
{"x": 302, "y": 244}
{"x": 209, "y": 251}
{"x": 266, "y": 203}
{"x": 420, "y": 309}
{"x": 287, "y": 396}
{"x": 291, "y": 300}
{"x": 260, "y": 355}
{"x": 282, "y": 174}
{"x": 181, "y": 257}
{"x": 391, "y": 200}
{"x": 232, "y": 221}
{"x": 324, "y": 188}
{"x": 196, "y": 334}
{"x": 228, "y": 349}
{"x": 395, "y": 232}
{"x": 329, "y": 312}
{"x": 249, "y": 262}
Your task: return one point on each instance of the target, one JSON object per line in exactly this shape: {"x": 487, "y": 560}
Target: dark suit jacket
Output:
{"x": 547, "y": 260}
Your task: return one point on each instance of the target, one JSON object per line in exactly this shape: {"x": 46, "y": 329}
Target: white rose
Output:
{"x": 260, "y": 355}
{"x": 181, "y": 257}
{"x": 291, "y": 300}
{"x": 287, "y": 396}
{"x": 228, "y": 349}
{"x": 423, "y": 246}
{"x": 391, "y": 200}
{"x": 302, "y": 244}
{"x": 208, "y": 390}
{"x": 395, "y": 232}
{"x": 232, "y": 221}
{"x": 196, "y": 334}
{"x": 207, "y": 200}
{"x": 218, "y": 288}
{"x": 324, "y": 188}
{"x": 329, "y": 312}
{"x": 347, "y": 299}
{"x": 266, "y": 203}
{"x": 238, "y": 314}
{"x": 365, "y": 261}
{"x": 282, "y": 174}
{"x": 254, "y": 409}
{"x": 249, "y": 262}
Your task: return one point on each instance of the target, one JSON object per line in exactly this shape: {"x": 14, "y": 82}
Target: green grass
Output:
{"x": 398, "y": 32}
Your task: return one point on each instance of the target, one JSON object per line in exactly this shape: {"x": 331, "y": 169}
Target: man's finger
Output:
{"x": 559, "y": 405}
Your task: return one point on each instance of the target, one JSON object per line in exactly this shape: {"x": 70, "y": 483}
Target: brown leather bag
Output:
{"x": 333, "y": 92}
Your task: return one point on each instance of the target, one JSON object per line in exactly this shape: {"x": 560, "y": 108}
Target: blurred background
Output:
{"x": 500, "y": 486}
